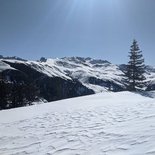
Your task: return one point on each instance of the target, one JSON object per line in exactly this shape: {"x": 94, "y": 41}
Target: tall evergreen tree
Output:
{"x": 135, "y": 68}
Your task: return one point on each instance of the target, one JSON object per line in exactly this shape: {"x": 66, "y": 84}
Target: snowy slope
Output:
{"x": 101, "y": 124}
{"x": 85, "y": 69}
{"x": 5, "y": 66}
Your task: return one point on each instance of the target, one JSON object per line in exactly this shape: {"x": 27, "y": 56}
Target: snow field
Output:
{"x": 102, "y": 124}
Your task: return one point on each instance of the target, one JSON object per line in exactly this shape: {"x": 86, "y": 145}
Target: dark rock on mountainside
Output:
{"x": 57, "y": 88}
{"x": 110, "y": 85}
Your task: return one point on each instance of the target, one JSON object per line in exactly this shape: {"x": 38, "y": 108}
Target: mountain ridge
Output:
{"x": 69, "y": 76}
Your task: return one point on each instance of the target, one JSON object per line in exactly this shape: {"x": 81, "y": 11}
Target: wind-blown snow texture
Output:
{"x": 102, "y": 124}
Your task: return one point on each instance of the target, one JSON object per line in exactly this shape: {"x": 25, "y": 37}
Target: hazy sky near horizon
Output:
{"x": 101, "y": 29}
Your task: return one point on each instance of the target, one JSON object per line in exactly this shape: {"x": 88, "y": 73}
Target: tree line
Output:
{"x": 14, "y": 95}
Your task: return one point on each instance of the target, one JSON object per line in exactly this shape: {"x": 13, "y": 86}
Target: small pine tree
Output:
{"x": 135, "y": 68}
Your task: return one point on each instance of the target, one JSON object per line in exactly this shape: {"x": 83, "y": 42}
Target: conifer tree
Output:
{"x": 135, "y": 68}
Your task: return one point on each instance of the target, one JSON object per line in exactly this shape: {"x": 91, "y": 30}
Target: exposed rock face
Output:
{"x": 56, "y": 88}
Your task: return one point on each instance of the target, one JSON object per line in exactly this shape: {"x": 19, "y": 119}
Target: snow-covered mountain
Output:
{"x": 69, "y": 76}
{"x": 106, "y": 123}
{"x": 119, "y": 123}
{"x": 94, "y": 74}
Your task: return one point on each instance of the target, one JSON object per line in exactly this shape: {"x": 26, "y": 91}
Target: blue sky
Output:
{"x": 101, "y": 29}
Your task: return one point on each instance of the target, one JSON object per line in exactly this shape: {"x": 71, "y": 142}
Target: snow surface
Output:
{"x": 102, "y": 124}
